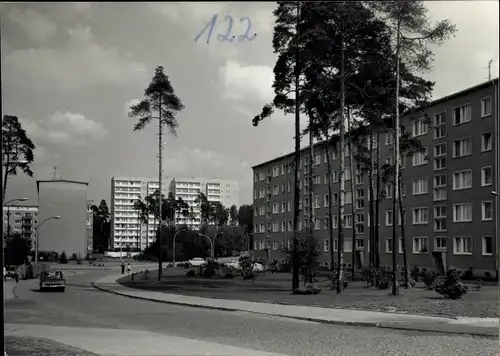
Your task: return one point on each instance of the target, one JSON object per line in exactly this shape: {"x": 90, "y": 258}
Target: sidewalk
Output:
{"x": 9, "y": 287}
{"x": 123, "y": 342}
{"x": 471, "y": 326}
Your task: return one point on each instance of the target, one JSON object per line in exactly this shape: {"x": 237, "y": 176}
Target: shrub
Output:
{"x": 63, "y": 258}
{"x": 309, "y": 289}
{"x": 284, "y": 267}
{"x": 415, "y": 273}
{"x": 229, "y": 274}
{"x": 190, "y": 273}
{"x": 428, "y": 277}
{"x": 74, "y": 256}
{"x": 452, "y": 287}
{"x": 248, "y": 275}
{"x": 246, "y": 265}
{"x": 468, "y": 275}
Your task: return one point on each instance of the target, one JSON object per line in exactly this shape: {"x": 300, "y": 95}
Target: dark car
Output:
{"x": 11, "y": 271}
{"x": 52, "y": 281}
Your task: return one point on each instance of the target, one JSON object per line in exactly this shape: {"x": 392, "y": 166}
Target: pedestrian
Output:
{"x": 129, "y": 268}
{"x": 4, "y": 274}
{"x": 123, "y": 267}
{"x": 17, "y": 273}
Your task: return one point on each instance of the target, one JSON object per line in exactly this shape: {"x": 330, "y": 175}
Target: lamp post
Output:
{"x": 56, "y": 217}
{"x": 173, "y": 246}
{"x": 212, "y": 249}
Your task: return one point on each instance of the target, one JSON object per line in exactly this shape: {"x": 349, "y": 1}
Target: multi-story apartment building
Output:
{"x": 126, "y": 229}
{"x": 217, "y": 190}
{"x": 450, "y": 192}
{"x": 22, "y": 219}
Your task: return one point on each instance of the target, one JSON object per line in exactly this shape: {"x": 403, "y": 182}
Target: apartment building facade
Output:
{"x": 90, "y": 226}
{"x": 450, "y": 192}
{"x": 126, "y": 228}
{"x": 21, "y": 219}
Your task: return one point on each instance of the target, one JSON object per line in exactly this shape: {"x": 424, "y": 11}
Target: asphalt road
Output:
{"x": 83, "y": 306}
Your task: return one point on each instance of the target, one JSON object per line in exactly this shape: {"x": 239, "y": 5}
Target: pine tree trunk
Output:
{"x": 340, "y": 243}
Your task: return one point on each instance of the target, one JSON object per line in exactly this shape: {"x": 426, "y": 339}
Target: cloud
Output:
{"x": 204, "y": 163}
{"x": 82, "y": 62}
{"x": 247, "y": 82}
{"x": 36, "y": 26}
{"x": 65, "y": 128}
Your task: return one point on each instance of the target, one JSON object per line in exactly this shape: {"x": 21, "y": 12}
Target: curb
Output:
{"x": 321, "y": 321}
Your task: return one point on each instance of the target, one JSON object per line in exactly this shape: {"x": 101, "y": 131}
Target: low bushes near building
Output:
{"x": 429, "y": 277}
{"x": 191, "y": 273}
{"x": 308, "y": 289}
{"x": 246, "y": 265}
{"x": 451, "y": 287}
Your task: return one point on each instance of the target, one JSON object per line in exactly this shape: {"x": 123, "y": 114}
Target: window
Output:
{"x": 276, "y": 208}
{"x": 276, "y": 226}
{"x": 487, "y": 210}
{"x": 347, "y": 174}
{"x": 439, "y": 123}
{"x": 389, "y": 138}
{"x": 326, "y": 225}
{"x": 289, "y": 187}
{"x": 289, "y": 203}
{"x": 420, "y": 216}
{"x": 282, "y": 169}
{"x": 262, "y": 228}
{"x": 262, "y": 193}
{"x": 348, "y": 197}
{"x": 388, "y": 188}
{"x": 359, "y": 176}
{"x": 282, "y": 188}
{"x": 256, "y": 178}
{"x": 275, "y": 190}
{"x": 317, "y": 159}
{"x": 440, "y": 156}
{"x": 439, "y": 243}
{"x": 335, "y": 177}
{"x": 462, "y": 245}
{"x": 404, "y": 217}
{"x": 360, "y": 199}
{"x": 462, "y": 147}
{"x": 462, "y": 180}
{"x": 420, "y": 158}
{"x": 325, "y": 156}
{"x": 316, "y": 202}
{"x": 419, "y": 128}
{"x": 420, "y": 245}
{"x": 486, "y": 106}
{"x": 360, "y": 223}
{"x": 440, "y": 218}
{"x": 317, "y": 224}
{"x": 283, "y": 206}
{"x": 420, "y": 186}
{"x": 347, "y": 152}
{"x": 335, "y": 198}
{"x": 462, "y": 212}
{"x": 347, "y": 245}
{"x": 389, "y": 160}
{"x": 486, "y": 144}
{"x": 388, "y": 218}
{"x": 486, "y": 176}
{"x": 440, "y": 187}
{"x": 316, "y": 180}
{"x": 348, "y": 221}
{"x": 283, "y": 226}
{"x": 276, "y": 171}
{"x": 325, "y": 178}
{"x": 326, "y": 200}
{"x": 388, "y": 245}
{"x": 290, "y": 225}
{"x": 461, "y": 114}
{"x": 326, "y": 245}
{"x": 335, "y": 222}
{"x": 487, "y": 243}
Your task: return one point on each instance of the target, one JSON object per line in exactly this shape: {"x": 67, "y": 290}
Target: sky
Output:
{"x": 70, "y": 72}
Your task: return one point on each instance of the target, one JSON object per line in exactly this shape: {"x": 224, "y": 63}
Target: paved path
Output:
{"x": 475, "y": 326}
{"x": 84, "y": 316}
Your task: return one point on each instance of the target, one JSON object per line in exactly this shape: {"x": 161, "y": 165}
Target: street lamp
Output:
{"x": 173, "y": 246}
{"x": 212, "y": 249}
{"x": 56, "y": 217}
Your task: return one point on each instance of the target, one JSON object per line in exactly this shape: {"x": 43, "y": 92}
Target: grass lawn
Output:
{"x": 275, "y": 288}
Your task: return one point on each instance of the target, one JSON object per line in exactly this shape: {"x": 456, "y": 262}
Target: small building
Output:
{"x": 67, "y": 199}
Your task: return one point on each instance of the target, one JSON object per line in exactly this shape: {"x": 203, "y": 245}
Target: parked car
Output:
{"x": 197, "y": 262}
{"x": 52, "y": 280}
{"x": 257, "y": 267}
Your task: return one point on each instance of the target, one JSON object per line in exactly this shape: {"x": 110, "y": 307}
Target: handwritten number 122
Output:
{"x": 226, "y": 37}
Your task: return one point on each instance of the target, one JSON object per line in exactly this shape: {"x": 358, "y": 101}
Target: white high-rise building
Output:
{"x": 126, "y": 230}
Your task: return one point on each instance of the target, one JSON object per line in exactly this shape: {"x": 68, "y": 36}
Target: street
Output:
{"x": 82, "y": 306}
